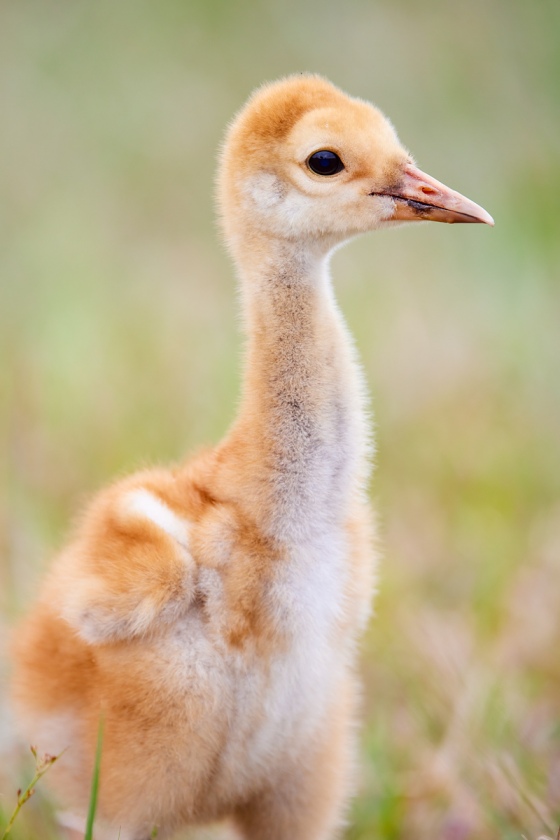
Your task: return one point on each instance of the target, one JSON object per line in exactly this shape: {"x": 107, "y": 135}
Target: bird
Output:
{"x": 209, "y": 614}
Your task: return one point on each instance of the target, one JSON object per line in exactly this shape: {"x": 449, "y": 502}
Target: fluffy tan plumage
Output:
{"x": 210, "y": 612}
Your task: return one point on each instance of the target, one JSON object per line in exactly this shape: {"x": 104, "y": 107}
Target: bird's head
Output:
{"x": 303, "y": 161}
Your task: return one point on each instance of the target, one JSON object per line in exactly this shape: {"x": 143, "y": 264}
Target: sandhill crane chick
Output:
{"x": 210, "y": 612}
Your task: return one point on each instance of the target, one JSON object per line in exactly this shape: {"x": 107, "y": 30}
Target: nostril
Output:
{"x": 427, "y": 190}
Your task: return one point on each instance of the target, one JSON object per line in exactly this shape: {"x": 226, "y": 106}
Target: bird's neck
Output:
{"x": 298, "y": 447}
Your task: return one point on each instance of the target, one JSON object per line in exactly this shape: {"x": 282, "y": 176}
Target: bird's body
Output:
{"x": 210, "y": 613}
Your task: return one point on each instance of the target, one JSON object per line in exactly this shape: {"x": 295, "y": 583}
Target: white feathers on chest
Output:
{"x": 265, "y": 706}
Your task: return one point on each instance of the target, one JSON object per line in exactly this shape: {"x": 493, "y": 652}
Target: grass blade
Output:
{"x": 94, "y": 784}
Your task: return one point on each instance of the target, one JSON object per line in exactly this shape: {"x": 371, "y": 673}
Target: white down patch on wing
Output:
{"x": 142, "y": 503}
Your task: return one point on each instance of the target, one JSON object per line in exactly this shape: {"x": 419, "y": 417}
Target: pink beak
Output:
{"x": 419, "y": 197}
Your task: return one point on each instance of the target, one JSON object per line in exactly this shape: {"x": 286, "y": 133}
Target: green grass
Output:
{"x": 94, "y": 784}
{"x": 119, "y": 347}
{"x": 42, "y": 766}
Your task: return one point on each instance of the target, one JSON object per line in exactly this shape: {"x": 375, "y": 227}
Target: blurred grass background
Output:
{"x": 119, "y": 346}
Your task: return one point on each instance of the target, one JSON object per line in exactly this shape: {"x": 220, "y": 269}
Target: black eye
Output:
{"x": 325, "y": 163}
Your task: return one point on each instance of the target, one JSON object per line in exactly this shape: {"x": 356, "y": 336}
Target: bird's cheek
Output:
{"x": 263, "y": 191}
{"x": 384, "y": 207}
{"x": 365, "y": 213}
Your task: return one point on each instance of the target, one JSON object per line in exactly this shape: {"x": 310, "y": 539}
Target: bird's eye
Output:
{"x": 325, "y": 163}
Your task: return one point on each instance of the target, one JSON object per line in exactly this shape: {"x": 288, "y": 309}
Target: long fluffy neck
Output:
{"x": 298, "y": 450}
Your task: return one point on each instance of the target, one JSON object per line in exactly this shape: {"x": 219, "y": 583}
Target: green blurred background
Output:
{"x": 119, "y": 347}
